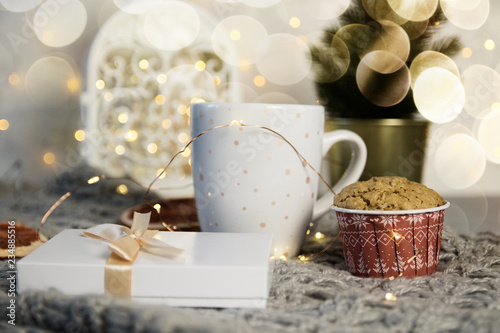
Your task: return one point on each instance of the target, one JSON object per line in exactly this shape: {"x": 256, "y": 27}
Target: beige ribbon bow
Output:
{"x": 125, "y": 244}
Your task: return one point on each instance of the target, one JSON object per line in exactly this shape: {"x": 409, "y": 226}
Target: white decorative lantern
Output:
{"x": 136, "y": 108}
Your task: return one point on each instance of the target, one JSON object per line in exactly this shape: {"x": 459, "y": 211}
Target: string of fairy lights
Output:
{"x": 395, "y": 236}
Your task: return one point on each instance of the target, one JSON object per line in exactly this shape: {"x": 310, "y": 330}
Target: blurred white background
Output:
{"x": 44, "y": 49}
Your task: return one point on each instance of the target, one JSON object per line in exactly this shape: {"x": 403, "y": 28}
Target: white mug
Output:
{"x": 249, "y": 179}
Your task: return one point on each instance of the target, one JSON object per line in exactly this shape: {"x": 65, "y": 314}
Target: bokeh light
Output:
{"x": 14, "y": 79}
{"x": 439, "y": 95}
{"x": 381, "y": 10}
{"x": 428, "y": 59}
{"x": 489, "y": 136}
{"x": 171, "y": 25}
{"x": 122, "y": 189}
{"x": 358, "y": 38}
{"x": 152, "y": 148}
{"x": 19, "y": 6}
{"x": 259, "y": 81}
{"x": 4, "y": 124}
{"x": 338, "y": 60}
{"x": 49, "y": 158}
{"x": 459, "y": 161}
{"x": 414, "y": 10}
{"x": 489, "y": 45}
{"x": 119, "y": 150}
{"x": 471, "y": 18}
{"x": 282, "y": 59}
{"x": 466, "y": 52}
{"x": 383, "y": 78}
{"x": 392, "y": 38}
{"x": 415, "y": 29}
{"x": 294, "y": 22}
{"x": 59, "y": 24}
{"x": 482, "y": 89}
{"x": 79, "y": 135}
{"x": 47, "y": 80}
{"x": 462, "y": 4}
{"x": 236, "y": 38}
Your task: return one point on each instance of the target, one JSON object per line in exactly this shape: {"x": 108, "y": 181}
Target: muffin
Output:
{"x": 387, "y": 193}
{"x": 390, "y": 227}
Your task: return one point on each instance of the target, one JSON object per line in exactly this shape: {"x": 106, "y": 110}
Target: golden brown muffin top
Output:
{"x": 387, "y": 193}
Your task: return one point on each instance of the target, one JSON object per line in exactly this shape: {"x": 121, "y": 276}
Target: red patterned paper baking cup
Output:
{"x": 391, "y": 243}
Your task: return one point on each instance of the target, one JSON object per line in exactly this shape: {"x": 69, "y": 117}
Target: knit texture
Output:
{"x": 315, "y": 296}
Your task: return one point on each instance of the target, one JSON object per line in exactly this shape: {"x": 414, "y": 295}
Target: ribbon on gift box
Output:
{"x": 125, "y": 244}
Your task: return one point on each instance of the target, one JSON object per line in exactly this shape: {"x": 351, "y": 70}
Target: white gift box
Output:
{"x": 215, "y": 269}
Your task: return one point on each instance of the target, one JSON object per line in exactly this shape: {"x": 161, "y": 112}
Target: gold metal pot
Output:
{"x": 396, "y": 147}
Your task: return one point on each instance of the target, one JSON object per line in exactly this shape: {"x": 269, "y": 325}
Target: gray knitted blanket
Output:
{"x": 319, "y": 296}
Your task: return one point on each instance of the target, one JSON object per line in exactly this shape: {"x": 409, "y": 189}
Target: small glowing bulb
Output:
{"x": 235, "y": 34}
{"x": 302, "y": 258}
{"x": 216, "y": 80}
{"x": 4, "y": 124}
{"x": 234, "y": 122}
{"x": 120, "y": 150}
{"x": 200, "y": 65}
{"x": 131, "y": 136}
{"x": 294, "y": 22}
{"x": 161, "y": 78}
{"x": 100, "y": 84}
{"x": 283, "y": 257}
{"x": 93, "y": 180}
{"x": 259, "y": 81}
{"x": 186, "y": 152}
{"x": 80, "y": 135}
{"x": 122, "y": 118}
{"x": 157, "y": 207}
{"x": 143, "y": 64}
{"x": 197, "y": 100}
{"x": 390, "y": 297}
{"x": 397, "y": 236}
{"x": 152, "y": 148}
{"x": 122, "y": 189}
{"x": 489, "y": 45}
{"x": 308, "y": 232}
{"x": 14, "y": 79}
{"x": 49, "y": 158}
{"x": 319, "y": 235}
{"x": 160, "y": 99}
{"x": 160, "y": 174}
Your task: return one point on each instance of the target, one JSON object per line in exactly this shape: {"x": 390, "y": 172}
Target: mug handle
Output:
{"x": 353, "y": 171}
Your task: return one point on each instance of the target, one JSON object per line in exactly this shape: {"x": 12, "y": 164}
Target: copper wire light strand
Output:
{"x": 229, "y": 125}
